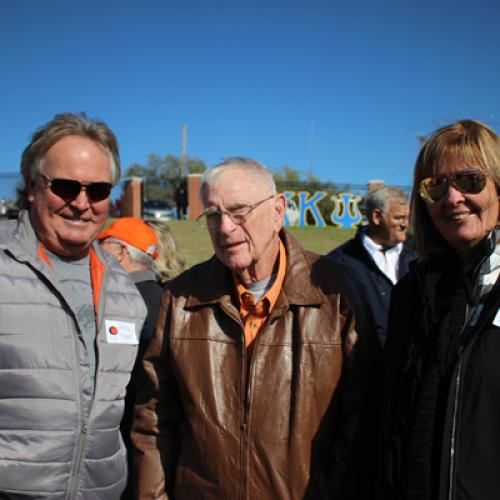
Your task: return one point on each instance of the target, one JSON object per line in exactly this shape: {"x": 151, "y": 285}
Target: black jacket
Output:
{"x": 378, "y": 287}
{"x": 151, "y": 293}
{"x": 461, "y": 452}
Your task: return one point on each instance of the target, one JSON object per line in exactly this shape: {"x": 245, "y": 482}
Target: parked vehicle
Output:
{"x": 157, "y": 210}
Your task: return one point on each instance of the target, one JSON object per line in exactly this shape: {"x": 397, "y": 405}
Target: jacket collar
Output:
{"x": 24, "y": 244}
{"x": 25, "y": 247}
{"x": 217, "y": 283}
{"x": 407, "y": 244}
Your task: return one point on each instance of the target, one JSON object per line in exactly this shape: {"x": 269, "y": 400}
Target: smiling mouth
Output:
{"x": 74, "y": 218}
{"x": 459, "y": 217}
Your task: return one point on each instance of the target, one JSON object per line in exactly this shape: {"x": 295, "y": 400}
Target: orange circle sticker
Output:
{"x": 113, "y": 330}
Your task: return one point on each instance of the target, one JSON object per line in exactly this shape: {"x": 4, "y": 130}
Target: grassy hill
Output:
{"x": 194, "y": 242}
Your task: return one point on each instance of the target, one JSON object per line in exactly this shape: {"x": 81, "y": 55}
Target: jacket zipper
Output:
{"x": 244, "y": 426}
{"x": 85, "y": 418}
{"x": 247, "y": 372}
{"x": 458, "y": 380}
{"x": 81, "y": 447}
{"x": 456, "y": 400}
{"x": 84, "y": 425}
{"x": 247, "y": 381}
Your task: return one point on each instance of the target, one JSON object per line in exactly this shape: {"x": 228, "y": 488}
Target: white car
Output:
{"x": 157, "y": 210}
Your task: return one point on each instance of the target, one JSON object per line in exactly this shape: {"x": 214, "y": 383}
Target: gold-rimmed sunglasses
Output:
{"x": 469, "y": 181}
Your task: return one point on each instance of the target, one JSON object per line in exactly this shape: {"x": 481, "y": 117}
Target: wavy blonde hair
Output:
{"x": 169, "y": 262}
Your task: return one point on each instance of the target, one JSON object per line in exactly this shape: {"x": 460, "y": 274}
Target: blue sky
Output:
{"x": 342, "y": 88}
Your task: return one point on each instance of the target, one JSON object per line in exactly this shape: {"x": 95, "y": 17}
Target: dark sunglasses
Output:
{"x": 69, "y": 189}
{"x": 434, "y": 188}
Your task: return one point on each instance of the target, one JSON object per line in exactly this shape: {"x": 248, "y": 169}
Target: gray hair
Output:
{"x": 379, "y": 199}
{"x": 136, "y": 256}
{"x": 63, "y": 125}
{"x": 250, "y": 167}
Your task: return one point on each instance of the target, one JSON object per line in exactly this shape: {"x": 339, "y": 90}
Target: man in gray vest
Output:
{"x": 70, "y": 319}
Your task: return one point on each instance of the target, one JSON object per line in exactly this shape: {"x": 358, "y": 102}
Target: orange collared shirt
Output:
{"x": 255, "y": 315}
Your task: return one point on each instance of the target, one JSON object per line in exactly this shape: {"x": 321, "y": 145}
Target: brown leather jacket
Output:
{"x": 203, "y": 432}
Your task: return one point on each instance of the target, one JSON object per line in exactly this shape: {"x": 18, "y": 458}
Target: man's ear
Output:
{"x": 279, "y": 211}
{"x": 376, "y": 217}
{"x": 122, "y": 253}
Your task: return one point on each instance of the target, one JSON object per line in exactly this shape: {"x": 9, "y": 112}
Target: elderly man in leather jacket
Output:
{"x": 256, "y": 378}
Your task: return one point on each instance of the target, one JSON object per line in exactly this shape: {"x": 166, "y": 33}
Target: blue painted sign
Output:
{"x": 345, "y": 214}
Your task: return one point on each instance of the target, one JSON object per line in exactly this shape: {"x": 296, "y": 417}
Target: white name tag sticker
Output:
{"x": 496, "y": 320}
{"x": 120, "y": 332}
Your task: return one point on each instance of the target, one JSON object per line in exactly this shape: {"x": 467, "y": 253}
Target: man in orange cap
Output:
{"x": 135, "y": 246}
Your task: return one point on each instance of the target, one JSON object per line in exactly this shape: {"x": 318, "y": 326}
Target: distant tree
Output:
{"x": 138, "y": 170}
{"x": 291, "y": 179}
{"x": 287, "y": 174}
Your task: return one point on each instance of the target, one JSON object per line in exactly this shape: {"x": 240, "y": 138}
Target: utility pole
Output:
{"x": 311, "y": 146}
{"x": 422, "y": 139}
{"x": 184, "y": 149}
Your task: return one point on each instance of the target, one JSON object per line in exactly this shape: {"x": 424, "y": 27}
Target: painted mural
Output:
{"x": 346, "y": 213}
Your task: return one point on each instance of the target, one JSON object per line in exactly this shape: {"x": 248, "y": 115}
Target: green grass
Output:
{"x": 194, "y": 243}
{"x": 192, "y": 239}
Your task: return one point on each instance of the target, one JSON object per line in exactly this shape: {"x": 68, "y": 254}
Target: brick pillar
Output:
{"x": 194, "y": 202}
{"x": 131, "y": 202}
{"x": 375, "y": 184}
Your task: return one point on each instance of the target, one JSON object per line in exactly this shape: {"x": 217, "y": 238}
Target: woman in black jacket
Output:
{"x": 441, "y": 407}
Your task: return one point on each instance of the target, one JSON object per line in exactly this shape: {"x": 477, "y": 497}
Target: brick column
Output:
{"x": 194, "y": 202}
{"x": 131, "y": 202}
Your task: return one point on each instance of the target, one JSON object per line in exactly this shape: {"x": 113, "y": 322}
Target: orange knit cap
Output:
{"x": 135, "y": 232}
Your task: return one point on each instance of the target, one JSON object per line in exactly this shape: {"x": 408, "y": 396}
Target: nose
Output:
{"x": 81, "y": 202}
{"x": 453, "y": 195}
{"x": 226, "y": 224}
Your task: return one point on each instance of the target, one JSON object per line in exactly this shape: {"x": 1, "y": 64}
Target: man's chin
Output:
{"x": 78, "y": 233}
{"x": 236, "y": 264}
{"x": 70, "y": 247}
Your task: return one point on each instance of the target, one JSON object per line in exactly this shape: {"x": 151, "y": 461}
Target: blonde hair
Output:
{"x": 169, "y": 262}
{"x": 469, "y": 142}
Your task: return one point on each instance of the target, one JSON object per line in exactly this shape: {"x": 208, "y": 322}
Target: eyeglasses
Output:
{"x": 470, "y": 181}
{"x": 69, "y": 189}
{"x": 238, "y": 215}
{"x": 108, "y": 241}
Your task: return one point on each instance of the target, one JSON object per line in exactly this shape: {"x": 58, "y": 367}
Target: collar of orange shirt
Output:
{"x": 272, "y": 294}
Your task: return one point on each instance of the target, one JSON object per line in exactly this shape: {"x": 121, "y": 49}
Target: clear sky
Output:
{"x": 339, "y": 87}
